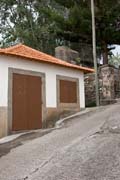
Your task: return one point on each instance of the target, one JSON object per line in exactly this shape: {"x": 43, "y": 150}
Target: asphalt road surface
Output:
{"x": 85, "y": 148}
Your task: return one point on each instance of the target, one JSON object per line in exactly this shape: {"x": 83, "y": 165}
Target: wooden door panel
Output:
{"x": 27, "y": 103}
{"x": 34, "y": 102}
{"x": 68, "y": 91}
{"x": 19, "y": 103}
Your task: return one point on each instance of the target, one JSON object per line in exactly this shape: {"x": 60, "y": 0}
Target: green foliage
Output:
{"x": 115, "y": 60}
{"x": 91, "y": 104}
{"x": 28, "y": 21}
{"x": 78, "y": 24}
{"x": 77, "y": 60}
{"x": 79, "y": 19}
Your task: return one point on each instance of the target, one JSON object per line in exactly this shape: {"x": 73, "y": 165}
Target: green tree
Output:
{"x": 28, "y": 21}
{"x": 115, "y": 60}
{"x": 77, "y": 26}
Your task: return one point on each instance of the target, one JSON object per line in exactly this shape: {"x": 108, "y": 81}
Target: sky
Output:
{"x": 116, "y": 50}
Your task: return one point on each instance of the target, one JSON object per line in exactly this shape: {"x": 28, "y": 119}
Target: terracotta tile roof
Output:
{"x": 23, "y": 51}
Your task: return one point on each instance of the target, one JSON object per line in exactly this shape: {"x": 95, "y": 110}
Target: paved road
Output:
{"x": 78, "y": 151}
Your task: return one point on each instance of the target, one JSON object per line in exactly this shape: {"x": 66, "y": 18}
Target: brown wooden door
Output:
{"x": 68, "y": 91}
{"x": 27, "y": 102}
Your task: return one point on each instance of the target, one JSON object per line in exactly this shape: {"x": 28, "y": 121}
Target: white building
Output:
{"x": 36, "y": 88}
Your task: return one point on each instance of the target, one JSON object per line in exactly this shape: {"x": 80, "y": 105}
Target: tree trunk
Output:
{"x": 105, "y": 52}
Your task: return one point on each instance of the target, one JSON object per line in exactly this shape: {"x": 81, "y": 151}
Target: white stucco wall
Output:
{"x": 50, "y": 74}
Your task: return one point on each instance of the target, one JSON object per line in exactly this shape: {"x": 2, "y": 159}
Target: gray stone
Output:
{"x": 109, "y": 85}
{"x": 66, "y": 54}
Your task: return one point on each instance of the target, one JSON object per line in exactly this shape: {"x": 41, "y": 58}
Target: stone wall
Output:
{"x": 117, "y": 82}
{"x": 90, "y": 89}
{"x": 109, "y": 85}
{"x": 82, "y": 55}
{"x": 66, "y": 54}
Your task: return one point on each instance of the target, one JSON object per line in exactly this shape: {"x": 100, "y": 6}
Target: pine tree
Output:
{"x": 27, "y": 21}
{"x": 77, "y": 26}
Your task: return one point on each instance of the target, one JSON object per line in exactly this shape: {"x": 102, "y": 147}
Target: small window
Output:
{"x": 68, "y": 91}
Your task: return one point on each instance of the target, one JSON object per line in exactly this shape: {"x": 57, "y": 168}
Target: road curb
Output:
{"x": 61, "y": 122}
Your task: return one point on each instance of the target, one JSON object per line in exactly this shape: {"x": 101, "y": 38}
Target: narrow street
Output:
{"x": 85, "y": 148}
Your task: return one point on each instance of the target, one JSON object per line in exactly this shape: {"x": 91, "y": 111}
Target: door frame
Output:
{"x": 11, "y": 71}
